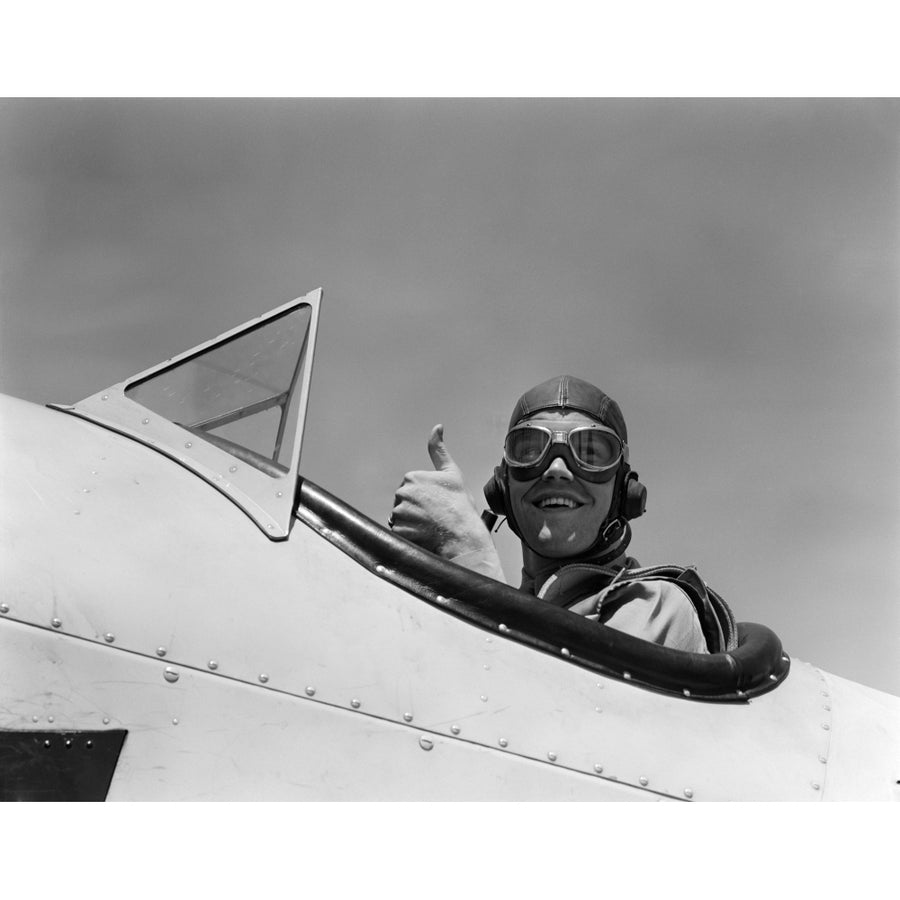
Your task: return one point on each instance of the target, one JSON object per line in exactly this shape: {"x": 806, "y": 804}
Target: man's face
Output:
{"x": 558, "y": 513}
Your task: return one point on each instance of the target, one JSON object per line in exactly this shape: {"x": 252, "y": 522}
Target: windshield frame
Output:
{"x": 265, "y": 492}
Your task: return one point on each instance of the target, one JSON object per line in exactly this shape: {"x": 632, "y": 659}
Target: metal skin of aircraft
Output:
{"x": 184, "y": 617}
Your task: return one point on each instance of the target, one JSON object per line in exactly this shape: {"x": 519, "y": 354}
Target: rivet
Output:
{"x": 213, "y": 665}
{"x": 160, "y": 651}
{"x": 269, "y": 527}
{"x": 355, "y": 703}
{"x": 106, "y": 720}
{"x": 47, "y": 743}
{"x": 815, "y": 785}
{"x": 826, "y": 726}
{"x": 174, "y": 721}
{"x": 407, "y": 717}
{"x": 232, "y": 468}
{"x": 551, "y": 756}
{"x": 145, "y": 421}
{"x": 488, "y": 640}
{"x": 688, "y": 793}
{"x": 55, "y": 623}
{"x": 565, "y": 651}
{"x": 785, "y": 659}
{"x": 380, "y": 570}
{"x": 503, "y": 628}
{"x": 442, "y": 600}
{"x": 742, "y": 694}
{"x": 263, "y": 677}
{"x": 108, "y": 637}
{"x": 50, "y": 718}
{"x": 600, "y": 685}
{"x": 279, "y": 493}
{"x": 170, "y": 675}
{"x": 773, "y": 678}
{"x": 454, "y": 729}
{"x": 93, "y": 471}
{"x": 310, "y": 692}
{"x": 4, "y": 609}
{"x": 188, "y": 445}
{"x": 105, "y": 397}
{"x": 644, "y": 781}
{"x": 487, "y": 668}
{"x": 88, "y": 745}
{"x": 598, "y": 769}
{"x": 597, "y": 709}
{"x": 686, "y": 692}
{"x": 68, "y": 742}
{"x": 626, "y": 676}
{"x": 85, "y": 490}
{"x": 483, "y": 698}
{"x": 503, "y": 742}
{"x": 34, "y": 718}
{"x": 823, "y": 759}
{"x": 425, "y": 743}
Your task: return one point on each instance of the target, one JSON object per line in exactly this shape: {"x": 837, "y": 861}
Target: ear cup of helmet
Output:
{"x": 495, "y": 492}
{"x": 633, "y": 501}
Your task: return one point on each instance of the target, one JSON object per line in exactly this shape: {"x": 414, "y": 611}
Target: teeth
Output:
{"x": 557, "y": 501}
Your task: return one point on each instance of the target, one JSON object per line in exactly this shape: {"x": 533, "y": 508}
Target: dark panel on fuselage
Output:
{"x": 58, "y": 765}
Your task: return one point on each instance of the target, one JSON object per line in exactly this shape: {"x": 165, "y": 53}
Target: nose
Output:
{"x": 558, "y": 469}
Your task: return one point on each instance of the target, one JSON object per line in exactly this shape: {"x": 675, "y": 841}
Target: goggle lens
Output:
{"x": 594, "y": 448}
{"x": 526, "y": 446}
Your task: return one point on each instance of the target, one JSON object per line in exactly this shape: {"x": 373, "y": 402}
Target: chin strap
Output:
{"x": 612, "y": 542}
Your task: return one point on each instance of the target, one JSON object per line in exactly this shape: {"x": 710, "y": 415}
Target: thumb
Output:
{"x": 440, "y": 455}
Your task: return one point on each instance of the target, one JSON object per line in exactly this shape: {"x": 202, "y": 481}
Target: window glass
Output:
{"x": 239, "y": 394}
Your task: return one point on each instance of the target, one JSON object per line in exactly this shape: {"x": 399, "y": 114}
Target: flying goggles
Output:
{"x": 595, "y": 450}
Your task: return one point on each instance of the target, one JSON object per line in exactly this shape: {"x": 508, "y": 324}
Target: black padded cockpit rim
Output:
{"x": 756, "y": 666}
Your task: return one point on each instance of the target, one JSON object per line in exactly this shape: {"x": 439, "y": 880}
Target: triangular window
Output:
{"x": 239, "y": 395}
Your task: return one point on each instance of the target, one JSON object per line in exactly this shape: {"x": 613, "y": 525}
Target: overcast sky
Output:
{"x": 726, "y": 270}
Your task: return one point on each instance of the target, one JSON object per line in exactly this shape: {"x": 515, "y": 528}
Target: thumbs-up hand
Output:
{"x": 433, "y": 508}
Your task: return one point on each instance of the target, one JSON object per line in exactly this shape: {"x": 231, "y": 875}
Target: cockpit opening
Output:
{"x": 755, "y": 666}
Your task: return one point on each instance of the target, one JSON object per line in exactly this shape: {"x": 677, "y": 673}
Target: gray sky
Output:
{"x": 727, "y": 270}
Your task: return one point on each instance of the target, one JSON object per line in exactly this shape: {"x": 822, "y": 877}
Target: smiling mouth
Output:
{"x": 557, "y": 503}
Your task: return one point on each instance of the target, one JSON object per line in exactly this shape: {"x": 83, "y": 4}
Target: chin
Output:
{"x": 556, "y": 552}
{"x": 555, "y": 547}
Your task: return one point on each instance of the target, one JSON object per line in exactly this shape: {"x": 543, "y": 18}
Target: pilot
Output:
{"x": 567, "y": 491}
